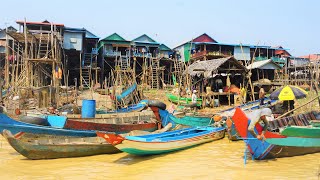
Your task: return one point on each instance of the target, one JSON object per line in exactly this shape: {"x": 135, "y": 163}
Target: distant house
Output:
{"x": 204, "y": 47}
{"x": 264, "y": 69}
{"x": 3, "y": 41}
{"x": 184, "y": 51}
{"x": 312, "y": 57}
{"x": 81, "y": 47}
{"x": 3, "y": 38}
{"x": 144, "y": 49}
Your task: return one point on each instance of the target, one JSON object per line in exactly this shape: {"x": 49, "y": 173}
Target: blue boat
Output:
{"x": 55, "y": 127}
{"x": 132, "y": 108}
{"x": 164, "y": 142}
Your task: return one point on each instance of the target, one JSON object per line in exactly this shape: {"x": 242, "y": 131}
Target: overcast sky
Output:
{"x": 294, "y": 24}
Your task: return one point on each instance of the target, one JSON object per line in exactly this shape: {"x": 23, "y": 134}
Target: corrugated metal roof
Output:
{"x": 145, "y": 39}
{"x": 114, "y": 37}
{"x": 90, "y": 35}
{"x": 39, "y": 23}
{"x": 163, "y": 47}
{"x": 69, "y": 29}
{"x": 264, "y": 64}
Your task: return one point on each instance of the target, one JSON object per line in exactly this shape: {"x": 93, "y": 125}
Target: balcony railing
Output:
{"x": 211, "y": 53}
{"x": 112, "y": 53}
{"x": 278, "y": 60}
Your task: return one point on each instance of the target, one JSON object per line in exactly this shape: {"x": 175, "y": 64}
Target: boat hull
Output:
{"x": 63, "y": 150}
{"x": 117, "y": 128}
{"x": 152, "y": 148}
{"x": 302, "y": 131}
{"x": 118, "y": 123}
{"x": 289, "y": 151}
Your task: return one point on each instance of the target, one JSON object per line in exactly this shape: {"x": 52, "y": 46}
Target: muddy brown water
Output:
{"x": 221, "y": 159}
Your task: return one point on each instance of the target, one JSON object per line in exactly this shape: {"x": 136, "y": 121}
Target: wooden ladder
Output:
{"x": 154, "y": 74}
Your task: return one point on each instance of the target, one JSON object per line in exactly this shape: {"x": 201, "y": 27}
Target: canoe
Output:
{"x": 56, "y": 124}
{"x": 301, "y": 131}
{"x": 182, "y": 100}
{"x": 164, "y": 142}
{"x": 275, "y": 145}
{"x": 59, "y": 147}
{"x": 132, "y": 108}
{"x": 118, "y": 123}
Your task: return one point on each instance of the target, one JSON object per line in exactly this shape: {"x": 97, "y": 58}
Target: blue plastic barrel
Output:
{"x": 88, "y": 109}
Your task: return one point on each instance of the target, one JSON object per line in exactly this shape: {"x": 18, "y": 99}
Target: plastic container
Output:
{"x": 88, "y": 109}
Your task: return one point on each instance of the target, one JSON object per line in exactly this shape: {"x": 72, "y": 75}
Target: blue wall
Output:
{"x": 73, "y": 40}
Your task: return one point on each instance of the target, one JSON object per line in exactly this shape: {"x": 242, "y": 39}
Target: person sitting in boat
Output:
{"x": 258, "y": 116}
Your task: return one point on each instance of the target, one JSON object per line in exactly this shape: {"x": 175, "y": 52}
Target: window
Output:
{"x": 73, "y": 40}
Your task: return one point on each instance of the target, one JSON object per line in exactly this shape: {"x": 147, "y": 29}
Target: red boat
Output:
{"x": 118, "y": 123}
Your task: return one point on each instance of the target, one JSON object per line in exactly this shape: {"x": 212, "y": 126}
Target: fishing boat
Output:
{"x": 126, "y": 93}
{"x": 59, "y": 146}
{"x": 275, "y": 145}
{"x": 182, "y": 100}
{"x": 118, "y": 123}
{"x": 55, "y": 127}
{"x": 164, "y": 142}
{"x": 132, "y": 108}
{"x": 301, "y": 131}
{"x": 276, "y": 124}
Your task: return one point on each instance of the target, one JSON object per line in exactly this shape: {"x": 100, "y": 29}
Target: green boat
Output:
{"x": 302, "y": 131}
{"x": 182, "y": 100}
{"x": 315, "y": 123}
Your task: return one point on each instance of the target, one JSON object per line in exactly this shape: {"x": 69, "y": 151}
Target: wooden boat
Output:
{"x": 164, "y": 142}
{"x": 182, "y": 100}
{"x": 275, "y": 145}
{"x": 132, "y": 108}
{"x": 59, "y": 147}
{"x": 118, "y": 123}
{"x": 302, "y": 131}
{"x": 56, "y": 124}
{"x": 277, "y": 124}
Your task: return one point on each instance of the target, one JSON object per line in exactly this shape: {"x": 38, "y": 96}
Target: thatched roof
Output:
{"x": 210, "y": 68}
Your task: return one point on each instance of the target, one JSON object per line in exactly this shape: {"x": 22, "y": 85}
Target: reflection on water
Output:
{"x": 216, "y": 160}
